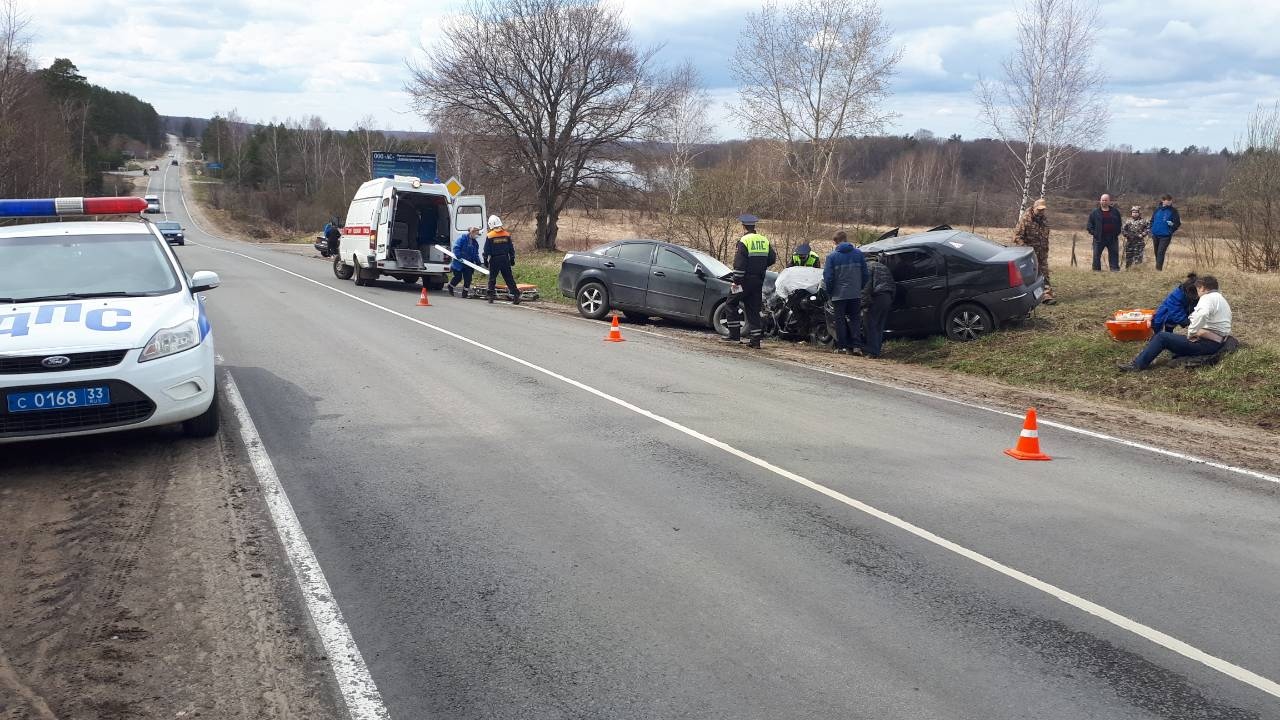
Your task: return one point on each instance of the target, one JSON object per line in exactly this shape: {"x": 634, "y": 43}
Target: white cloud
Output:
{"x": 1189, "y": 73}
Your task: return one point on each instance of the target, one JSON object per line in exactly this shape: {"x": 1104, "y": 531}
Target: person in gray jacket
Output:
{"x": 877, "y": 298}
{"x": 844, "y": 275}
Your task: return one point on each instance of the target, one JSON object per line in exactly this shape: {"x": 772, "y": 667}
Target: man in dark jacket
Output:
{"x": 1105, "y": 225}
{"x": 500, "y": 257}
{"x": 333, "y": 234}
{"x": 844, "y": 277}
{"x": 804, "y": 257}
{"x": 1165, "y": 221}
{"x": 877, "y": 297}
{"x": 751, "y": 260}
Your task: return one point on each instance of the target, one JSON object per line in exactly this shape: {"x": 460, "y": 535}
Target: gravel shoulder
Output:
{"x": 141, "y": 578}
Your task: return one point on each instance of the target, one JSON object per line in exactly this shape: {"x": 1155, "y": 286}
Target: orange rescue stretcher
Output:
{"x": 1131, "y": 325}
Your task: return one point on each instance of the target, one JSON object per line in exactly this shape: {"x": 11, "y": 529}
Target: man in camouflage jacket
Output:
{"x": 1033, "y": 232}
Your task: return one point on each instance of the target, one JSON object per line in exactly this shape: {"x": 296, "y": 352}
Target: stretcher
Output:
{"x": 527, "y": 292}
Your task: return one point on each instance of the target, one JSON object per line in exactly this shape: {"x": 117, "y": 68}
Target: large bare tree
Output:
{"x": 1049, "y": 102}
{"x": 563, "y": 79}
{"x": 810, "y": 74}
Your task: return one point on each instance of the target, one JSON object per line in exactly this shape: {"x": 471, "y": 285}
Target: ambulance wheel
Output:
{"x": 434, "y": 284}
{"x": 341, "y": 270}
{"x": 206, "y": 423}
{"x": 411, "y": 280}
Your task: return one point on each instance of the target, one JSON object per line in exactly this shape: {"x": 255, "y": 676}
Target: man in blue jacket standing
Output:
{"x": 1164, "y": 223}
{"x": 844, "y": 276}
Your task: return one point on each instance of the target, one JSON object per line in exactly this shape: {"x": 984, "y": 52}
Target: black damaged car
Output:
{"x": 957, "y": 283}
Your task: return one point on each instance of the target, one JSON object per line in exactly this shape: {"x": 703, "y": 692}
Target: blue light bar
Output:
{"x": 28, "y": 208}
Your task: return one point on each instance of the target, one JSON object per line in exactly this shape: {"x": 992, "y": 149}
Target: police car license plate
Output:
{"x": 61, "y": 399}
{"x": 1039, "y": 292}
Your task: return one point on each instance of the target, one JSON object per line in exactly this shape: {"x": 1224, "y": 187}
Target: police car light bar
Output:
{"x": 56, "y": 207}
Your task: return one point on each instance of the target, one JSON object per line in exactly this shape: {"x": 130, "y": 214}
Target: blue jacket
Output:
{"x": 1165, "y": 221}
{"x": 466, "y": 248}
{"x": 845, "y": 272}
{"x": 1174, "y": 312}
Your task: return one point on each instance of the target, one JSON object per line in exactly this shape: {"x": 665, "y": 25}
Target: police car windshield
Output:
{"x": 713, "y": 266}
{"x": 55, "y": 268}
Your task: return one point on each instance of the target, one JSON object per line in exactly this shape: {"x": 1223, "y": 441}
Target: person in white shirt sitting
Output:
{"x": 1210, "y": 327}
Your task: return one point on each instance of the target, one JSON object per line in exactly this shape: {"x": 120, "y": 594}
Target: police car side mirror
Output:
{"x": 204, "y": 280}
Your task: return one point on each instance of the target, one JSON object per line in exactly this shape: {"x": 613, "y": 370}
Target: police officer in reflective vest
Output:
{"x": 753, "y": 257}
{"x": 804, "y": 257}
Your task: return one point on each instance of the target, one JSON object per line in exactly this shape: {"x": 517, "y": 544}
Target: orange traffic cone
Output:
{"x": 422, "y": 299}
{"x": 615, "y": 335}
{"x": 1028, "y": 447}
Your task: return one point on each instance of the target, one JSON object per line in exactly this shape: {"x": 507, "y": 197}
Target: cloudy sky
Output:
{"x": 1187, "y": 73}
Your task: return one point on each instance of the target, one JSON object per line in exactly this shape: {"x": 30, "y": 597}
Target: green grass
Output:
{"x": 1066, "y": 347}
{"x": 542, "y": 269}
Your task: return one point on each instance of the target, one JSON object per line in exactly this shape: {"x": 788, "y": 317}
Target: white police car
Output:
{"x": 100, "y": 327}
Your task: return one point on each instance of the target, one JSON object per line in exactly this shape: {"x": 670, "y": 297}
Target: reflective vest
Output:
{"x": 811, "y": 260}
{"x": 756, "y": 244}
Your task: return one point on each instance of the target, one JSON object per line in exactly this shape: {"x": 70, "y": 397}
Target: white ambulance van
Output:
{"x": 400, "y": 226}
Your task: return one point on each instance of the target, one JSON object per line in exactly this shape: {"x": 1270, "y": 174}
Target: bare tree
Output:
{"x": 1254, "y": 194}
{"x": 1050, "y": 97}
{"x": 683, "y": 134}
{"x": 564, "y": 77}
{"x": 366, "y": 130}
{"x": 811, "y": 74}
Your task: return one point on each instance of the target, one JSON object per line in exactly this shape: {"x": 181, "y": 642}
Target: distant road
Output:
{"x": 519, "y": 520}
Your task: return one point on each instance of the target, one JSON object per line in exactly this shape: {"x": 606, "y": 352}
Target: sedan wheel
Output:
{"x": 967, "y": 322}
{"x": 593, "y": 300}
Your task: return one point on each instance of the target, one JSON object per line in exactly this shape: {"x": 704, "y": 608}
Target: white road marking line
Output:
{"x": 1255, "y": 474}
{"x": 1047, "y": 423}
{"x": 361, "y": 696}
{"x": 1164, "y": 640}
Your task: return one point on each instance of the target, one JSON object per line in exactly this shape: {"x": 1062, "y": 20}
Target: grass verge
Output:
{"x": 1066, "y": 347}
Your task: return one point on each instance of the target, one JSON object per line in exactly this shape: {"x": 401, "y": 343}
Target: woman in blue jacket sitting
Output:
{"x": 1175, "y": 311}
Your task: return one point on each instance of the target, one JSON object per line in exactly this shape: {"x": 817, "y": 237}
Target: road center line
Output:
{"x": 360, "y": 694}
{"x": 1164, "y": 640}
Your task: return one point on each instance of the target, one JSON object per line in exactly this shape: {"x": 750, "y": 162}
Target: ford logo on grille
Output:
{"x": 56, "y": 361}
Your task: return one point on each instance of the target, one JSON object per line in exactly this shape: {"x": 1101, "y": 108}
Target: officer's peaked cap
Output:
{"x": 748, "y": 219}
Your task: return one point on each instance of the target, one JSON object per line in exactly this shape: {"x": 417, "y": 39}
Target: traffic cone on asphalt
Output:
{"x": 615, "y": 334}
{"x": 423, "y": 301}
{"x": 1028, "y": 447}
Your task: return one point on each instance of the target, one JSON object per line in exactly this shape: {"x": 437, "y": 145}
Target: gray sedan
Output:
{"x": 646, "y": 278}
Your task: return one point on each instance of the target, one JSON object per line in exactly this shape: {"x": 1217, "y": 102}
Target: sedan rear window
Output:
{"x": 37, "y": 267}
{"x": 637, "y": 252}
{"x": 975, "y": 247}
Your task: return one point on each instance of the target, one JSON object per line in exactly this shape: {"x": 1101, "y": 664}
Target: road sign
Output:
{"x": 214, "y": 166}
{"x": 454, "y": 187}
{"x": 419, "y": 165}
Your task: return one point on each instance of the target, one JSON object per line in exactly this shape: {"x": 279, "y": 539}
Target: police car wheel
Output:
{"x": 341, "y": 270}
{"x": 593, "y": 300}
{"x": 205, "y": 424}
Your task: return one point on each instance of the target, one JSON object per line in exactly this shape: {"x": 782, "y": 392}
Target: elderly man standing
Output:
{"x": 1105, "y": 225}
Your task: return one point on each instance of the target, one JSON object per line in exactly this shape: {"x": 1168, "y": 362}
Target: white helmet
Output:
{"x": 495, "y": 222}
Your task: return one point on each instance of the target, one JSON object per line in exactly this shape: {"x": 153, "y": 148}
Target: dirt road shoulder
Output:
{"x": 141, "y": 578}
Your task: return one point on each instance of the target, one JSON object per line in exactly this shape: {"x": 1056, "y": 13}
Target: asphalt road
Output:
{"x": 505, "y": 544}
